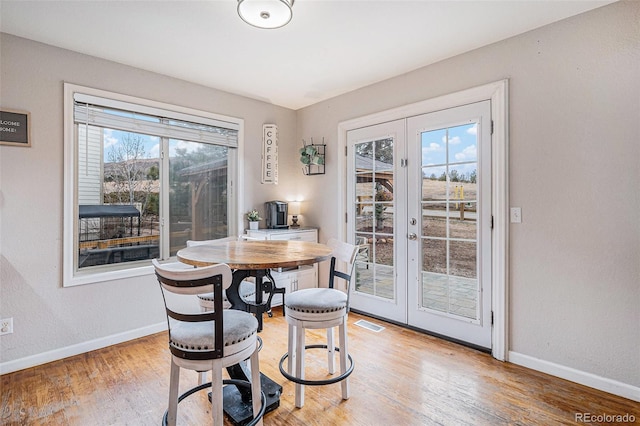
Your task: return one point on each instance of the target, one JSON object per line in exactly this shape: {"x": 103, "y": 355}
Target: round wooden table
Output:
{"x": 256, "y": 255}
{"x": 255, "y": 259}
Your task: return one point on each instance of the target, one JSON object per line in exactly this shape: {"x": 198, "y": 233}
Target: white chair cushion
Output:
{"x": 316, "y": 301}
{"x": 238, "y": 326}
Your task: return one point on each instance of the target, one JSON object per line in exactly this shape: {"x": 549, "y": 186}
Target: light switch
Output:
{"x": 516, "y": 215}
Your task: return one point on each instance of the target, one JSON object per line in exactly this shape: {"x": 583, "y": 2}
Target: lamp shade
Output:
{"x": 266, "y": 13}
{"x": 294, "y": 208}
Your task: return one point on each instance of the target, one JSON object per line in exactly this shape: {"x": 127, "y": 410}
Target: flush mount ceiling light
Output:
{"x": 266, "y": 13}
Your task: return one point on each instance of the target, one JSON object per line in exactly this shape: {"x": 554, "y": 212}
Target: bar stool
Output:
{"x": 320, "y": 308}
{"x": 206, "y": 300}
{"x": 207, "y": 340}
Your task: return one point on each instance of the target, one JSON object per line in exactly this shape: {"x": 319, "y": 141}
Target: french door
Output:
{"x": 378, "y": 206}
{"x": 420, "y": 195}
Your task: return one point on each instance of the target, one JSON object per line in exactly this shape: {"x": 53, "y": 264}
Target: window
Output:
{"x": 142, "y": 178}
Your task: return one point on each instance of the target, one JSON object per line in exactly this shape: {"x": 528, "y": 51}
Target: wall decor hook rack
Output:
{"x": 312, "y": 156}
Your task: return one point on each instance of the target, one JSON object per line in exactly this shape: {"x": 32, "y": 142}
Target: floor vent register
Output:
{"x": 369, "y": 325}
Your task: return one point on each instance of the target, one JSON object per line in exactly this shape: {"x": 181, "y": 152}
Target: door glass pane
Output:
{"x": 450, "y": 294}
{"x": 434, "y": 255}
{"x": 384, "y": 282}
{"x": 375, "y": 217}
{"x": 449, "y": 221}
{"x": 434, "y": 183}
{"x": 434, "y": 150}
{"x": 462, "y": 258}
{"x": 383, "y": 249}
{"x": 462, "y": 220}
{"x": 434, "y": 220}
{"x": 364, "y": 277}
{"x": 462, "y": 143}
{"x": 364, "y": 217}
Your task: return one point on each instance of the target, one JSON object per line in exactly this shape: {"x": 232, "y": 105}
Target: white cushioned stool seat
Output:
{"x": 306, "y": 304}
{"x": 237, "y": 326}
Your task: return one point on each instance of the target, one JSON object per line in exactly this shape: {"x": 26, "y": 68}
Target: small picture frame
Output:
{"x": 15, "y": 127}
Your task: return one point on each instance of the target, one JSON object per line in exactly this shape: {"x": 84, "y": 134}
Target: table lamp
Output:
{"x": 294, "y": 211}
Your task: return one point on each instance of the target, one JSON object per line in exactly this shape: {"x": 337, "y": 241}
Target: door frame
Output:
{"x": 498, "y": 93}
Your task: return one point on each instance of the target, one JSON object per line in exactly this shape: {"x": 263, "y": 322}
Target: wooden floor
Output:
{"x": 401, "y": 377}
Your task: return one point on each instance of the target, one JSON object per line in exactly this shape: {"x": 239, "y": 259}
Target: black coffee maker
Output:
{"x": 276, "y": 214}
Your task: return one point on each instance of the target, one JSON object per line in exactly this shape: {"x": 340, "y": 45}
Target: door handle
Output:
{"x": 413, "y": 236}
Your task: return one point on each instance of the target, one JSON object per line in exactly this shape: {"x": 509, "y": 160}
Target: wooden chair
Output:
{"x": 320, "y": 308}
{"x": 207, "y": 340}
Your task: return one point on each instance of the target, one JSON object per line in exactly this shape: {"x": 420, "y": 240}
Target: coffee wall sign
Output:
{"x": 14, "y": 127}
{"x": 270, "y": 153}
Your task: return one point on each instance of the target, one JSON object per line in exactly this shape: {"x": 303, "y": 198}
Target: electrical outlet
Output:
{"x": 6, "y": 326}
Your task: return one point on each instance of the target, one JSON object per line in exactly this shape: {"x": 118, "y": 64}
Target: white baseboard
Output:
{"x": 593, "y": 381}
{"x": 80, "y": 348}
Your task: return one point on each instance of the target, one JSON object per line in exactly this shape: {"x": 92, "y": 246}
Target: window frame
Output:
{"x": 71, "y": 275}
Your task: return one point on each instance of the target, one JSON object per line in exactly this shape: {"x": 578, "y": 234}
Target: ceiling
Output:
{"x": 329, "y": 48}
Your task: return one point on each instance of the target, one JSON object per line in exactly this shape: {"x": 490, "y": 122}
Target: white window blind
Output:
{"x": 127, "y": 116}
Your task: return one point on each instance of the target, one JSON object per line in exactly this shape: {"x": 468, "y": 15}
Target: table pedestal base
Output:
{"x": 241, "y": 412}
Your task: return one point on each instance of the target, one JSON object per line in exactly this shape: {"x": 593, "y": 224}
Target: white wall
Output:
{"x": 574, "y": 169}
{"x": 50, "y": 320}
